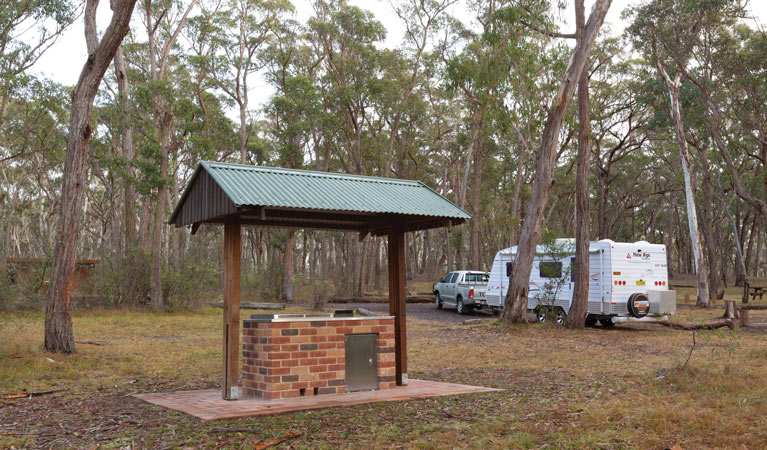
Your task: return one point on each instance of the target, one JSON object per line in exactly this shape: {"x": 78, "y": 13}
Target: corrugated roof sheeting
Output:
{"x": 286, "y": 188}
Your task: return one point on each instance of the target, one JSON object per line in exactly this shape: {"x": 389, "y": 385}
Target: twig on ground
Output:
{"x": 450, "y": 415}
{"x": 177, "y": 444}
{"x": 233, "y": 430}
{"x": 276, "y": 441}
{"x": 694, "y": 342}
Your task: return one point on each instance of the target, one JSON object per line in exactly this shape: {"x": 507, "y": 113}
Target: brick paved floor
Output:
{"x": 208, "y": 404}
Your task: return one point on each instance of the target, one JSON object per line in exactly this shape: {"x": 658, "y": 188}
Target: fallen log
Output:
{"x": 409, "y": 299}
{"x": 251, "y": 305}
{"x": 713, "y": 325}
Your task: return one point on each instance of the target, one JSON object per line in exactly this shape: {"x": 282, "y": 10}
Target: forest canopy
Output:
{"x": 460, "y": 104}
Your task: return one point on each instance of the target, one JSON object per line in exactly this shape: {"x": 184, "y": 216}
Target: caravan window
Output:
{"x": 550, "y": 269}
{"x": 509, "y": 269}
{"x": 572, "y": 269}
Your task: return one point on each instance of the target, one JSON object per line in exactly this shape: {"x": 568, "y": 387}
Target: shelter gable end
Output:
{"x": 206, "y": 200}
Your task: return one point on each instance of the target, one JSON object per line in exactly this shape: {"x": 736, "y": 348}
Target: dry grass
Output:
{"x": 595, "y": 388}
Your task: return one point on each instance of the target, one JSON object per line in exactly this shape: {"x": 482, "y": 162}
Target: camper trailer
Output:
{"x": 627, "y": 281}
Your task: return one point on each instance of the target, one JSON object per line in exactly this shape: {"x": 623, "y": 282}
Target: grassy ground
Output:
{"x": 596, "y": 388}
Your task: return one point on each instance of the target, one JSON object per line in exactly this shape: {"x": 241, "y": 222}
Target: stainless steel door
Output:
{"x": 361, "y": 362}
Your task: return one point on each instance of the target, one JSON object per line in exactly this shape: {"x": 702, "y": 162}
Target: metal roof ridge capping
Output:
{"x": 217, "y": 189}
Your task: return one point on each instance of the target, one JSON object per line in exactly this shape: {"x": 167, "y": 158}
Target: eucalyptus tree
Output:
{"x": 515, "y": 308}
{"x": 422, "y": 20}
{"x": 292, "y": 113}
{"x": 34, "y": 134}
{"x": 620, "y": 89}
{"x": 344, "y": 39}
{"x": 244, "y": 29}
{"x": 163, "y": 21}
{"x": 669, "y": 32}
{"x": 59, "y": 336}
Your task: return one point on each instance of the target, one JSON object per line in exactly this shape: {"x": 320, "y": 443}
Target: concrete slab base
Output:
{"x": 208, "y": 405}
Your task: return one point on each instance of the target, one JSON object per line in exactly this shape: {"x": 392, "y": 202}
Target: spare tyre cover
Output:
{"x": 638, "y": 305}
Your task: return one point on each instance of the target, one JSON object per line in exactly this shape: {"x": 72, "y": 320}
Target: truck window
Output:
{"x": 550, "y": 269}
{"x": 476, "y": 278}
{"x": 509, "y": 268}
{"x": 453, "y": 276}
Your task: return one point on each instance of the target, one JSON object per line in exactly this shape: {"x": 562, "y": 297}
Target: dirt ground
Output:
{"x": 626, "y": 387}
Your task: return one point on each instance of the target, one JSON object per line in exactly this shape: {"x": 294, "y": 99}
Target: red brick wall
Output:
{"x": 279, "y": 359}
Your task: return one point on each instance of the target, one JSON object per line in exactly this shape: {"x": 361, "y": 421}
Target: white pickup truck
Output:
{"x": 464, "y": 289}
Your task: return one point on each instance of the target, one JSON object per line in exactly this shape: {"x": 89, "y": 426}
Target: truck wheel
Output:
{"x": 607, "y": 322}
{"x": 438, "y": 300}
{"x": 460, "y": 308}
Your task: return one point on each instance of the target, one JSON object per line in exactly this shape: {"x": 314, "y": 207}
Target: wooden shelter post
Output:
{"x": 232, "y": 249}
{"x": 397, "y": 298}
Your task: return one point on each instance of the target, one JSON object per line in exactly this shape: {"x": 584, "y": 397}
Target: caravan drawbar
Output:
{"x": 627, "y": 280}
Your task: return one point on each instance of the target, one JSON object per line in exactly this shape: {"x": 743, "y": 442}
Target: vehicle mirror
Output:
{"x": 441, "y": 280}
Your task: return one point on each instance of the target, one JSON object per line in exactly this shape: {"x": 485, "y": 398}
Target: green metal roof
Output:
{"x": 247, "y": 185}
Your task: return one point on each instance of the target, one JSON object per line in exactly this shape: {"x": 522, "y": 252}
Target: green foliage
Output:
{"x": 20, "y": 47}
{"x": 262, "y": 283}
{"x": 190, "y": 284}
{"x": 552, "y": 268}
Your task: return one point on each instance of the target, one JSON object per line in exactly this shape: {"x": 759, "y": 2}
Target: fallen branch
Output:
{"x": 31, "y": 394}
{"x": 475, "y": 321}
{"x": 90, "y": 343}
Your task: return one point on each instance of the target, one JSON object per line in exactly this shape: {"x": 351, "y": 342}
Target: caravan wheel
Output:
{"x": 558, "y": 315}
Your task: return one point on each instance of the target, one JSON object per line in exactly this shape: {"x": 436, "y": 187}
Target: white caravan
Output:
{"x": 626, "y": 280}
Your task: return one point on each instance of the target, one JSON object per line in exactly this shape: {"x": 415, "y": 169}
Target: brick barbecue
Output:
{"x": 294, "y": 355}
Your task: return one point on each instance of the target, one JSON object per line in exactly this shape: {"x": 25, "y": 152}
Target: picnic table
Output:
{"x": 755, "y": 291}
